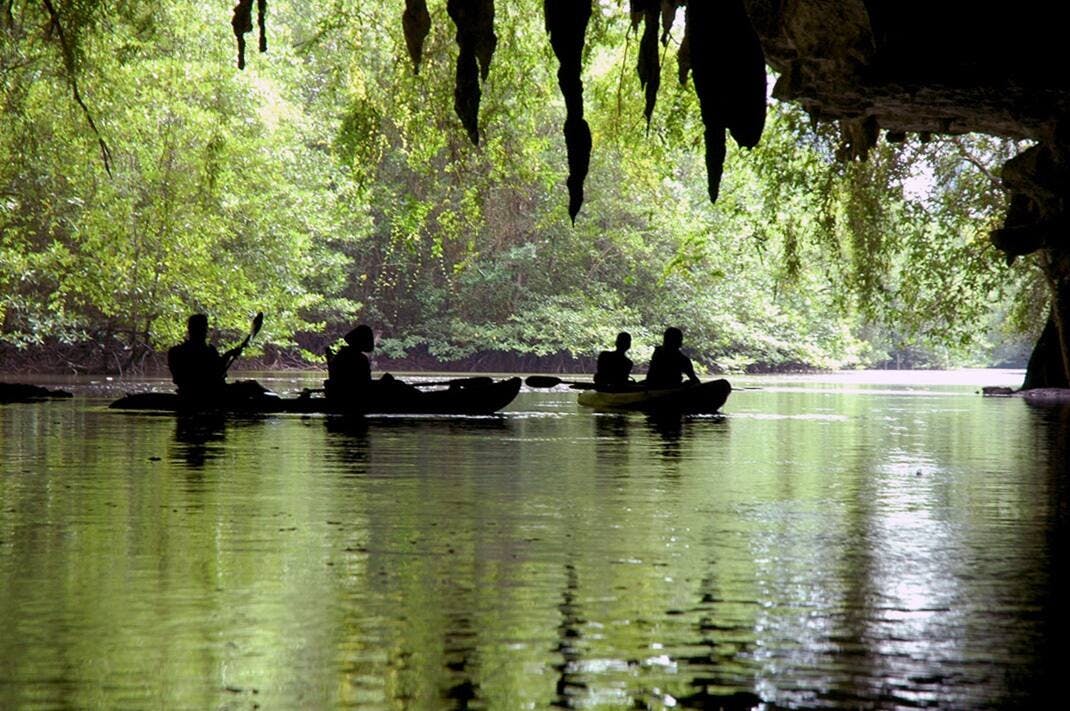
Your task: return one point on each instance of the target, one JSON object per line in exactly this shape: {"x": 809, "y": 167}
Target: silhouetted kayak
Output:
{"x": 465, "y": 400}
{"x": 703, "y": 398}
{"x": 21, "y": 392}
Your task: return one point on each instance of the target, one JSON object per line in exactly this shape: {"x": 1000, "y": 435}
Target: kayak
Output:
{"x": 687, "y": 398}
{"x": 21, "y": 392}
{"x": 483, "y": 399}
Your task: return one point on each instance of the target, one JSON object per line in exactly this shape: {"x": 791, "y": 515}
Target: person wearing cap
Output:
{"x": 349, "y": 372}
{"x": 668, "y": 365}
{"x": 197, "y": 369}
{"x": 614, "y": 367}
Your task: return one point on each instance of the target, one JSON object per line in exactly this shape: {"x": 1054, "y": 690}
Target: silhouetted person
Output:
{"x": 614, "y": 367}
{"x": 668, "y": 365}
{"x": 197, "y": 369}
{"x": 349, "y": 372}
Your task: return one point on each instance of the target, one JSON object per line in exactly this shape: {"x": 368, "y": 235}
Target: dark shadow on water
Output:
{"x": 460, "y": 643}
{"x": 350, "y": 439}
{"x": 673, "y": 430}
{"x": 1053, "y": 427}
{"x": 199, "y": 439}
{"x": 569, "y": 687}
{"x": 612, "y": 431}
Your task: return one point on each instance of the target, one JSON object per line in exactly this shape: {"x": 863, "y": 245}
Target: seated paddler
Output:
{"x": 349, "y": 372}
{"x": 669, "y": 365}
{"x": 197, "y": 369}
{"x": 614, "y": 368}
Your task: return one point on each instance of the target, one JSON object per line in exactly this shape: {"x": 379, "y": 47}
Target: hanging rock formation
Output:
{"x": 924, "y": 67}
{"x": 726, "y": 62}
{"x": 1037, "y": 220}
{"x": 566, "y": 22}
{"x": 476, "y": 41}
{"x": 242, "y": 22}
{"x": 416, "y": 23}
{"x": 648, "y": 66}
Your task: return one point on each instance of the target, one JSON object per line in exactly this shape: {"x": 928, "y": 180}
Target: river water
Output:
{"x": 856, "y": 540}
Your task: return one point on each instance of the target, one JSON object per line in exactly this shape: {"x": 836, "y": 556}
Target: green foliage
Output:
{"x": 328, "y": 183}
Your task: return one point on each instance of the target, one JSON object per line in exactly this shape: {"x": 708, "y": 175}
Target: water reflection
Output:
{"x": 1053, "y": 436}
{"x": 199, "y": 439}
{"x": 569, "y": 688}
{"x": 897, "y": 551}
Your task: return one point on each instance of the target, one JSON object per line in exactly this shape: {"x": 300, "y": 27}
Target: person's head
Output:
{"x": 673, "y": 338}
{"x": 197, "y": 327}
{"x": 624, "y": 341}
{"x": 361, "y": 338}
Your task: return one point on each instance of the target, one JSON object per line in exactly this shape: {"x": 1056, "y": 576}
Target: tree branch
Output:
{"x": 72, "y": 80}
{"x": 975, "y": 162}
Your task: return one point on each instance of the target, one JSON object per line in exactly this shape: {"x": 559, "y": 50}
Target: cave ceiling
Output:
{"x": 925, "y": 67}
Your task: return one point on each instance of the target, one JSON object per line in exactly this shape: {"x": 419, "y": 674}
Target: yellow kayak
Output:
{"x": 692, "y": 398}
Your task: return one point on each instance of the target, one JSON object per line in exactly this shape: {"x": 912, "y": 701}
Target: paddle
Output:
{"x": 233, "y": 353}
{"x": 552, "y": 381}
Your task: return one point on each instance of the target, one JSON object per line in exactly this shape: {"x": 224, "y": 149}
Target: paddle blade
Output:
{"x": 258, "y": 322}
{"x": 542, "y": 381}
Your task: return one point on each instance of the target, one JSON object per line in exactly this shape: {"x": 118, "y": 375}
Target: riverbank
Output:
{"x": 118, "y": 360}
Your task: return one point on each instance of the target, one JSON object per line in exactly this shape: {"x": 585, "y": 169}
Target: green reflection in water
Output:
{"x": 813, "y": 547}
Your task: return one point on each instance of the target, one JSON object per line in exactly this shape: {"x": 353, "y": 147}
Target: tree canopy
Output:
{"x": 327, "y": 182}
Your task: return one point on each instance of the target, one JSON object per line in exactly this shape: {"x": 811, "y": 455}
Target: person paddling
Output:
{"x": 197, "y": 369}
{"x": 614, "y": 367}
{"x": 668, "y": 365}
{"x": 349, "y": 372}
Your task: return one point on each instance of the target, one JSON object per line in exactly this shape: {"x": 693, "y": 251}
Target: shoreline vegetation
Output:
{"x": 96, "y": 359}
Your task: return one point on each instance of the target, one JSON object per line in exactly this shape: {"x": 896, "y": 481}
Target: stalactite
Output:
{"x": 728, "y": 67}
{"x": 476, "y": 42}
{"x": 261, "y": 14}
{"x": 683, "y": 56}
{"x": 416, "y": 23}
{"x": 566, "y": 22}
{"x": 648, "y": 65}
{"x": 242, "y": 23}
{"x": 668, "y": 16}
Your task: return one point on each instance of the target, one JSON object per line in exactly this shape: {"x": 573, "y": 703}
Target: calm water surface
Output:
{"x": 844, "y": 541}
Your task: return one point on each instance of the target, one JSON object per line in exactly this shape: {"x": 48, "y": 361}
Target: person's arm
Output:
{"x": 689, "y": 369}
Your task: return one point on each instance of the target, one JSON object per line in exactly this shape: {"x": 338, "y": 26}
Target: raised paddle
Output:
{"x": 552, "y": 381}
{"x": 233, "y": 353}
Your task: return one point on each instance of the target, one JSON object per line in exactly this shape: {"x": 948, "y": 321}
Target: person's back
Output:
{"x": 197, "y": 369}
{"x": 349, "y": 372}
{"x": 614, "y": 367}
{"x": 668, "y": 365}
